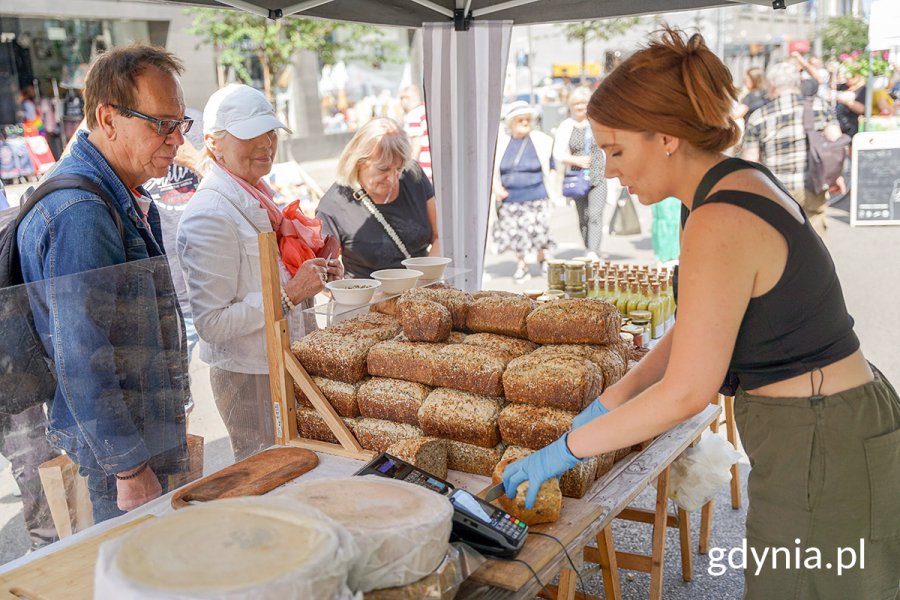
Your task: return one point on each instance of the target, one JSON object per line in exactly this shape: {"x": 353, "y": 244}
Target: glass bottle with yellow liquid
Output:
{"x": 657, "y": 307}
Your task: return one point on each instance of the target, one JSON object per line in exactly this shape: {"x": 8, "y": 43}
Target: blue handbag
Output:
{"x": 577, "y": 184}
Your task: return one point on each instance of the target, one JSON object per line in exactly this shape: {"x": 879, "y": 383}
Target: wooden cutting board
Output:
{"x": 252, "y": 476}
{"x": 64, "y": 575}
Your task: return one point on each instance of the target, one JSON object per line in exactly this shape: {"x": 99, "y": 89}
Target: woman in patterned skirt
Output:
{"x": 574, "y": 147}
{"x": 521, "y": 170}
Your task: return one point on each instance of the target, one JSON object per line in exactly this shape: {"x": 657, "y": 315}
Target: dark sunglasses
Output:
{"x": 163, "y": 126}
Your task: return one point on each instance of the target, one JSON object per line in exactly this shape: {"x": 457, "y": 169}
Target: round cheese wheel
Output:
{"x": 402, "y": 529}
{"x": 229, "y": 549}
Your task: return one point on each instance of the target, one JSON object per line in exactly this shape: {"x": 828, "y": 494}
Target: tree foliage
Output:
{"x": 843, "y": 35}
{"x": 236, "y": 35}
{"x": 599, "y": 30}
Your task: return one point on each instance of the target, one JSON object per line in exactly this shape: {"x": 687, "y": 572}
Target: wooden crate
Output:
{"x": 285, "y": 370}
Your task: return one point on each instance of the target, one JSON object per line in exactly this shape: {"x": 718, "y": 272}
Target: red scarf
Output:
{"x": 298, "y": 236}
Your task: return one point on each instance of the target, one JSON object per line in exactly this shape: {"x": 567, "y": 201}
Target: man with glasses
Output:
{"x": 117, "y": 341}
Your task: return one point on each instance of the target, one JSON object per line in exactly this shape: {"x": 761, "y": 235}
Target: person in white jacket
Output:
{"x": 219, "y": 252}
{"x": 575, "y": 151}
{"x": 521, "y": 175}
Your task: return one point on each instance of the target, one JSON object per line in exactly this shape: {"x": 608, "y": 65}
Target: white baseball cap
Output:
{"x": 240, "y": 110}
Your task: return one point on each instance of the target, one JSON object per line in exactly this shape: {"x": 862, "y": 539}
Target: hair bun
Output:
{"x": 695, "y": 44}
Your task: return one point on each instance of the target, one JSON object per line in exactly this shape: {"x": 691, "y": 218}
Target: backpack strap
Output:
{"x": 68, "y": 181}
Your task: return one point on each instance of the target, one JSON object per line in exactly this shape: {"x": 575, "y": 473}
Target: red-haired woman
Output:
{"x": 760, "y": 306}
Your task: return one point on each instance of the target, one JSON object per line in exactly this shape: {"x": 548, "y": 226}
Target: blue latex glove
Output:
{"x": 537, "y": 467}
{"x": 593, "y": 410}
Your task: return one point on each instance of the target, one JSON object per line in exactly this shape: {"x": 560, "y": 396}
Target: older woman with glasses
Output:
{"x": 521, "y": 174}
{"x": 219, "y": 252}
{"x": 382, "y": 207}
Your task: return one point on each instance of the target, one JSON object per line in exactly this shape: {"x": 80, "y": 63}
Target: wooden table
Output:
{"x": 590, "y": 518}
{"x": 581, "y": 521}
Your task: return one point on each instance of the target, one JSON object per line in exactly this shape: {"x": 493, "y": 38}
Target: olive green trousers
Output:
{"x": 824, "y": 492}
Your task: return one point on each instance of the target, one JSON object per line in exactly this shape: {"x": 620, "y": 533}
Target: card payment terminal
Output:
{"x": 488, "y": 529}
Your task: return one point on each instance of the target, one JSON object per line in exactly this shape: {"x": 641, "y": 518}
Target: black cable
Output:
{"x": 533, "y": 574}
{"x": 566, "y": 552}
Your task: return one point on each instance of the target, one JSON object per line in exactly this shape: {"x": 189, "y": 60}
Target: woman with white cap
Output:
{"x": 521, "y": 172}
{"x": 219, "y": 252}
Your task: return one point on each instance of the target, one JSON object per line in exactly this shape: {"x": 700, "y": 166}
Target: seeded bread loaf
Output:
{"x": 392, "y": 399}
{"x": 311, "y": 425}
{"x": 564, "y": 382}
{"x": 374, "y": 325}
{"x": 334, "y": 356}
{"x": 455, "y": 337}
{"x": 575, "y": 482}
{"x": 469, "y": 458}
{"x": 410, "y": 361}
{"x": 548, "y": 505}
{"x": 427, "y": 453}
{"x": 342, "y": 396}
{"x": 470, "y": 368}
{"x": 574, "y": 321}
{"x": 533, "y": 426}
{"x": 494, "y": 293}
{"x": 424, "y": 320}
{"x": 610, "y": 358}
{"x": 622, "y": 453}
{"x": 454, "y": 300}
{"x": 386, "y": 307}
{"x": 605, "y": 463}
{"x": 505, "y": 315}
{"x": 514, "y": 347}
{"x": 377, "y": 435}
{"x": 461, "y": 416}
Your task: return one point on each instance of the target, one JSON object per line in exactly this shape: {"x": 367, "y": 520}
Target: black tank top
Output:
{"x": 800, "y": 324}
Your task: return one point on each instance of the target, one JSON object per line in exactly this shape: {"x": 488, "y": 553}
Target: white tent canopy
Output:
{"x": 466, "y": 44}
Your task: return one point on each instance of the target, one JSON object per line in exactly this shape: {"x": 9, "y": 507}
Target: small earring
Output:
{"x": 668, "y": 154}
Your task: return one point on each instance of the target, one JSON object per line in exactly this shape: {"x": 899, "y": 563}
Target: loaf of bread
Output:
{"x": 392, "y": 399}
{"x": 454, "y": 300}
{"x": 455, "y": 337}
{"x": 387, "y": 307}
{"x": 605, "y": 463}
{"x": 505, "y": 315}
{"x": 533, "y": 426}
{"x": 622, "y": 453}
{"x": 334, "y": 356}
{"x": 470, "y": 368}
{"x": 548, "y": 505}
{"x": 469, "y": 458}
{"x": 462, "y": 417}
{"x": 610, "y": 358}
{"x": 378, "y": 435}
{"x": 424, "y": 320}
{"x": 494, "y": 293}
{"x": 574, "y": 321}
{"x": 427, "y": 453}
{"x": 410, "y": 361}
{"x": 514, "y": 347}
{"x": 372, "y": 325}
{"x": 564, "y": 382}
{"x": 576, "y": 482}
{"x": 342, "y": 396}
{"x": 311, "y": 425}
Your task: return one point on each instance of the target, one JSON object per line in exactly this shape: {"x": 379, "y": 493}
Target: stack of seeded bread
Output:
{"x": 446, "y": 379}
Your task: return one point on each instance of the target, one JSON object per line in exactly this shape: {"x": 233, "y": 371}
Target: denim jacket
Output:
{"x": 114, "y": 333}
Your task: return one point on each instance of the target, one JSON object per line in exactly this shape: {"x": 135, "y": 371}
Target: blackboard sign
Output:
{"x": 875, "y": 183}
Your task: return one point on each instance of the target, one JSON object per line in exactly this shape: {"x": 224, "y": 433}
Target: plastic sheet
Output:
{"x": 442, "y": 584}
{"x": 701, "y": 471}
{"x": 401, "y": 529}
{"x": 237, "y": 549}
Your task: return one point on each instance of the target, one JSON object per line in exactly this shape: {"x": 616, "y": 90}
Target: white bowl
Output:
{"x": 353, "y": 292}
{"x": 432, "y": 267}
{"x": 396, "y": 281}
